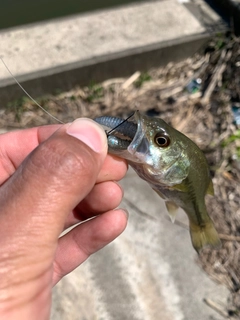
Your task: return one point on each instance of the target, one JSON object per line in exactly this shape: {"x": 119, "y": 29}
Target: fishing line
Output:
{"x": 109, "y": 132}
{"x": 44, "y": 110}
{"x": 48, "y": 113}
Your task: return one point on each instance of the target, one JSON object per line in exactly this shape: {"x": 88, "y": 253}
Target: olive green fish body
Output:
{"x": 190, "y": 196}
{"x": 175, "y": 168}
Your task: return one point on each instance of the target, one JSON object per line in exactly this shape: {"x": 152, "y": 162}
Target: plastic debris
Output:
{"x": 194, "y": 86}
{"x": 236, "y": 114}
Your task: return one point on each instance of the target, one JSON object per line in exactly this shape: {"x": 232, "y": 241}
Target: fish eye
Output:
{"x": 162, "y": 140}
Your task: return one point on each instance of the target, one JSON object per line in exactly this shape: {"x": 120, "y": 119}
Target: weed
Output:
{"x": 235, "y": 136}
{"x": 95, "y": 92}
{"x": 143, "y": 78}
{"x": 231, "y": 139}
{"x": 18, "y": 106}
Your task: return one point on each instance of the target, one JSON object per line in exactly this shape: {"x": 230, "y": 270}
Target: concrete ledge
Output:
{"x": 58, "y": 55}
{"x": 100, "y": 68}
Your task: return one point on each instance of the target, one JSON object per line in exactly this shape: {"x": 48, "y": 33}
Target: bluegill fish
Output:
{"x": 173, "y": 166}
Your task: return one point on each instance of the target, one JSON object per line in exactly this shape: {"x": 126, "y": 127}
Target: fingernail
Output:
{"x": 89, "y": 132}
{"x": 126, "y": 212}
{"x": 120, "y": 186}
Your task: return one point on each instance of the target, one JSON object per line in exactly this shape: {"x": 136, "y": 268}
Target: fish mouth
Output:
{"x": 139, "y": 143}
{"x": 127, "y": 138}
{"x": 132, "y": 134}
{"x": 120, "y": 128}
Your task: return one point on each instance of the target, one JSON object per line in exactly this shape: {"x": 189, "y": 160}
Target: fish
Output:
{"x": 172, "y": 164}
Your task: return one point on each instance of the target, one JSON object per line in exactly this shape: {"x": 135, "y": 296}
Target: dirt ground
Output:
{"x": 201, "y": 98}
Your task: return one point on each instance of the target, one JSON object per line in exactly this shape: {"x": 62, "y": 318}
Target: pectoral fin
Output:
{"x": 180, "y": 187}
{"x": 172, "y": 209}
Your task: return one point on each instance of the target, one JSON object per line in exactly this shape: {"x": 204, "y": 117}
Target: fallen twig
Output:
{"x": 218, "y": 71}
{"x": 229, "y": 237}
{"x": 215, "y": 306}
{"x": 110, "y": 82}
{"x": 171, "y": 92}
{"x": 130, "y": 80}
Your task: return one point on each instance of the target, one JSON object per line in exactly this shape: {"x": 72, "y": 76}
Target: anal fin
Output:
{"x": 172, "y": 209}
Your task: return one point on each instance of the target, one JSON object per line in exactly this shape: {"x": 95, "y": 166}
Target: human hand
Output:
{"x": 49, "y": 181}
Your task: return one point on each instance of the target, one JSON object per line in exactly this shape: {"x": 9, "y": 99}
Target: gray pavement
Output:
{"x": 61, "y": 53}
{"x": 148, "y": 273}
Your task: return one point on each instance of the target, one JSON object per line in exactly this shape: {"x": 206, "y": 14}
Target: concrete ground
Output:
{"x": 149, "y": 272}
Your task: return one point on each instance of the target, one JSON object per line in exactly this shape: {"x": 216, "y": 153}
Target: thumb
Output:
{"x": 51, "y": 181}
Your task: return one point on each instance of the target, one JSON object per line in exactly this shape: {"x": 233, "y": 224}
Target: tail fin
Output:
{"x": 203, "y": 236}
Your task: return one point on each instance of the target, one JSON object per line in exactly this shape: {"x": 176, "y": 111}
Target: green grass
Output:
{"x": 95, "y": 92}
{"x": 232, "y": 138}
{"x": 144, "y": 77}
{"x": 18, "y": 107}
{"x": 235, "y": 136}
